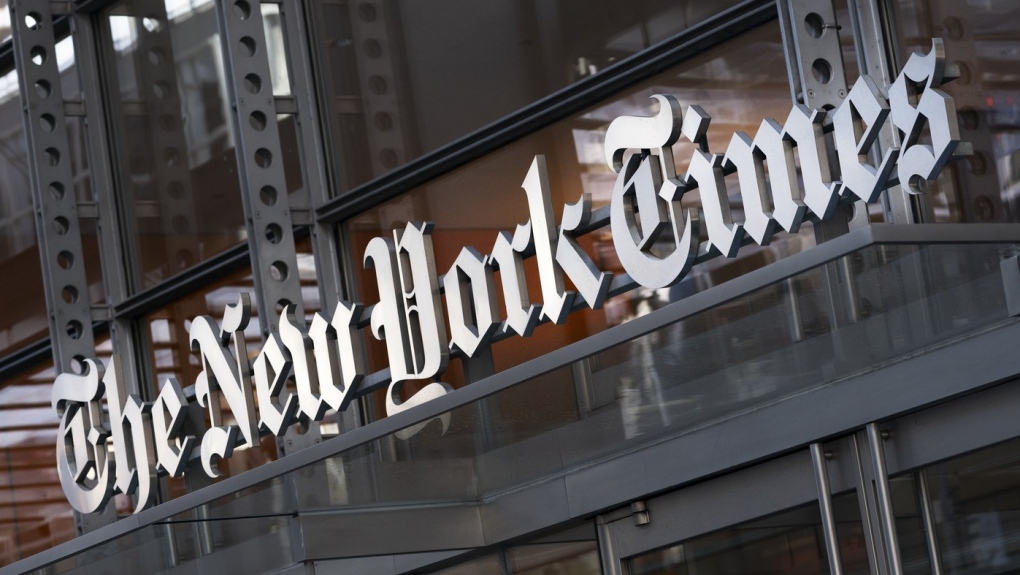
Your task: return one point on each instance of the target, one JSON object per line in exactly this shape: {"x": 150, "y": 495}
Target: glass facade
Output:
{"x": 838, "y": 399}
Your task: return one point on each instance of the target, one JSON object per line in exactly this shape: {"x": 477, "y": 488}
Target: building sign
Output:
{"x": 657, "y": 241}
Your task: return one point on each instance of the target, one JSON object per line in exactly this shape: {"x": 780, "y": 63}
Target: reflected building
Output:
{"x": 839, "y": 399}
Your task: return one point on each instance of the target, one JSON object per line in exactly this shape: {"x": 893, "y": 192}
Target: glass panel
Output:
{"x": 406, "y": 77}
{"x": 976, "y": 505}
{"x": 178, "y": 172}
{"x": 790, "y": 543}
{"x": 739, "y": 83}
{"x": 982, "y": 36}
{"x": 34, "y": 514}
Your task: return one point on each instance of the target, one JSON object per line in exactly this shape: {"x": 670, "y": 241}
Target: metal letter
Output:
{"x": 506, "y": 258}
{"x": 272, "y": 368}
{"x": 338, "y": 354}
{"x": 857, "y": 123}
{"x": 471, "y": 301}
{"x": 934, "y": 108}
{"x": 83, "y": 463}
{"x": 770, "y": 146}
{"x": 804, "y": 127}
{"x": 298, "y": 345}
{"x": 409, "y": 321}
{"x": 168, "y": 414}
{"x": 591, "y": 282}
{"x": 644, "y": 183}
{"x": 131, "y": 427}
{"x": 221, "y": 373}
{"x": 556, "y": 301}
{"x": 742, "y": 156}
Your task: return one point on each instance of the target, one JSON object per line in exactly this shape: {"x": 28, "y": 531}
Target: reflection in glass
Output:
{"x": 790, "y": 543}
{"x": 738, "y": 83}
{"x": 981, "y": 36}
{"x": 395, "y": 69}
{"x": 178, "y": 171}
{"x": 34, "y": 512}
{"x": 977, "y": 511}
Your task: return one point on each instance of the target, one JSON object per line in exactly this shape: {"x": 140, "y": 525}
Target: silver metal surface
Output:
{"x": 928, "y": 520}
{"x": 919, "y": 81}
{"x": 471, "y": 293}
{"x": 339, "y": 354}
{"x": 81, "y": 439}
{"x": 886, "y": 514}
{"x": 131, "y": 433}
{"x": 408, "y": 315}
{"x": 825, "y": 503}
{"x": 556, "y": 301}
{"x": 592, "y": 283}
{"x": 173, "y": 449}
{"x": 821, "y": 76}
{"x": 907, "y": 385}
{"x": 507, "y": 259}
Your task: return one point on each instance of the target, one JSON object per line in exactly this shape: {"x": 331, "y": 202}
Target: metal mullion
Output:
{"x": 57, "y": 222}
{"x": 818, "y": 458}
{"x": 259, "y": 158}
{"x": 887, "y": 518}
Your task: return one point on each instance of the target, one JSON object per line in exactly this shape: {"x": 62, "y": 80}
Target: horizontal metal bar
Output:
{"x": 574, "y": 98}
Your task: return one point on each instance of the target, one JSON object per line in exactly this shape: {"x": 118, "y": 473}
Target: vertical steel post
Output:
{"x": 928, "y": 517}
{"x": 885, "y": 508}
{"x": 56, "y": 207}
{"x": 825, "y": 503}
{"x": 53, "y": 193}
{"x": 260, "y": 160}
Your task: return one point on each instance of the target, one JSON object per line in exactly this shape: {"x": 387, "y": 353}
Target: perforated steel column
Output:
{"x": 56, "y": 209}
{"x": 260, "y": 161}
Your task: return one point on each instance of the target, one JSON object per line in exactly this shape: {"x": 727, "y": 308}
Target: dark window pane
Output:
{"x": 175, "y": 148}
{"x": 406, "y": 77}
{"x": 790, "y": 543}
